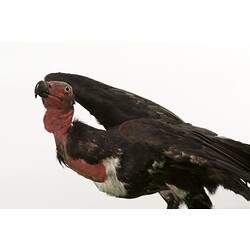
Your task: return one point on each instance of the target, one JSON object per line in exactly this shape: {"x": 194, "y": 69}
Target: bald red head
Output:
{"x": 58, "y": 99}
{"x": 60, "y": 96}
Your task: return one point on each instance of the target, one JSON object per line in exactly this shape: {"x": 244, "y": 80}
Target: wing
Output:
{"x": 194, "y": 153}
{"x": 112, "y": 106}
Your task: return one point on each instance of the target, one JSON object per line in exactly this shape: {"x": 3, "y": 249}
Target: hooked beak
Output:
{"x": 42, "y": 89}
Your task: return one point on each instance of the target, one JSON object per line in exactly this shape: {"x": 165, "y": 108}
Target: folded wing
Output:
{"x": 194, "y": 155}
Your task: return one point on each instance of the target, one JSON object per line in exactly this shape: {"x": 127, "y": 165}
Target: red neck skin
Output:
{"x": 58, "y": 122}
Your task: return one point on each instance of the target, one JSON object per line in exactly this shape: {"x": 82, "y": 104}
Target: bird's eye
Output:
{"x": 49, "y": 85}
{"x": 67, "y": 89}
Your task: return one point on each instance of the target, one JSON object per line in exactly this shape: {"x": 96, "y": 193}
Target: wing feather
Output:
{"x": 112, "y": 106}
{"x": 224, "y": 161}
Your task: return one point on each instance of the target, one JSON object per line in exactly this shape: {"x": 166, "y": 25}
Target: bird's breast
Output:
{"x": 112, "y": 185}
{"x": 94, "y": 172}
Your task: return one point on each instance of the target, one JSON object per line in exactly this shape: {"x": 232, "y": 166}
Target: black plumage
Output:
{"x": 154, "y": 155}
{"x": 156, "y": 149}
{"x": 112, "y": 106}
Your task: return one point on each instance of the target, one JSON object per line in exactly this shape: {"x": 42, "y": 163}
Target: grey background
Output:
{"x": 205, "y": 85}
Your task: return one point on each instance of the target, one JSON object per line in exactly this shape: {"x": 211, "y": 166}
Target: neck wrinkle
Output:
{"x": 58, "y": 121}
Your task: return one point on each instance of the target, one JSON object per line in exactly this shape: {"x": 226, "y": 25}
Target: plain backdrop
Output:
{"x": 206, "y": 85}
{"x": 198, "y": 68}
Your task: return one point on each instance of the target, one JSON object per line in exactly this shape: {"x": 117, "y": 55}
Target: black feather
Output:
{"x": 112, "y": 106}
{"x": 194, "y": 158}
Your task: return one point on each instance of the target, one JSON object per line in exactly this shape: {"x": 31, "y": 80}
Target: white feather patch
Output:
{"x": 112, "y": 185}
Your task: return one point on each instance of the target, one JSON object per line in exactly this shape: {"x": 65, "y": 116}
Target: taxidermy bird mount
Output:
{"x": 151, "y": 152}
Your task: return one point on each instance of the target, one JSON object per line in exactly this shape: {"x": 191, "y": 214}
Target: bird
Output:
{"x": 143, "y": 156}
{"x": 112, "y": 106}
